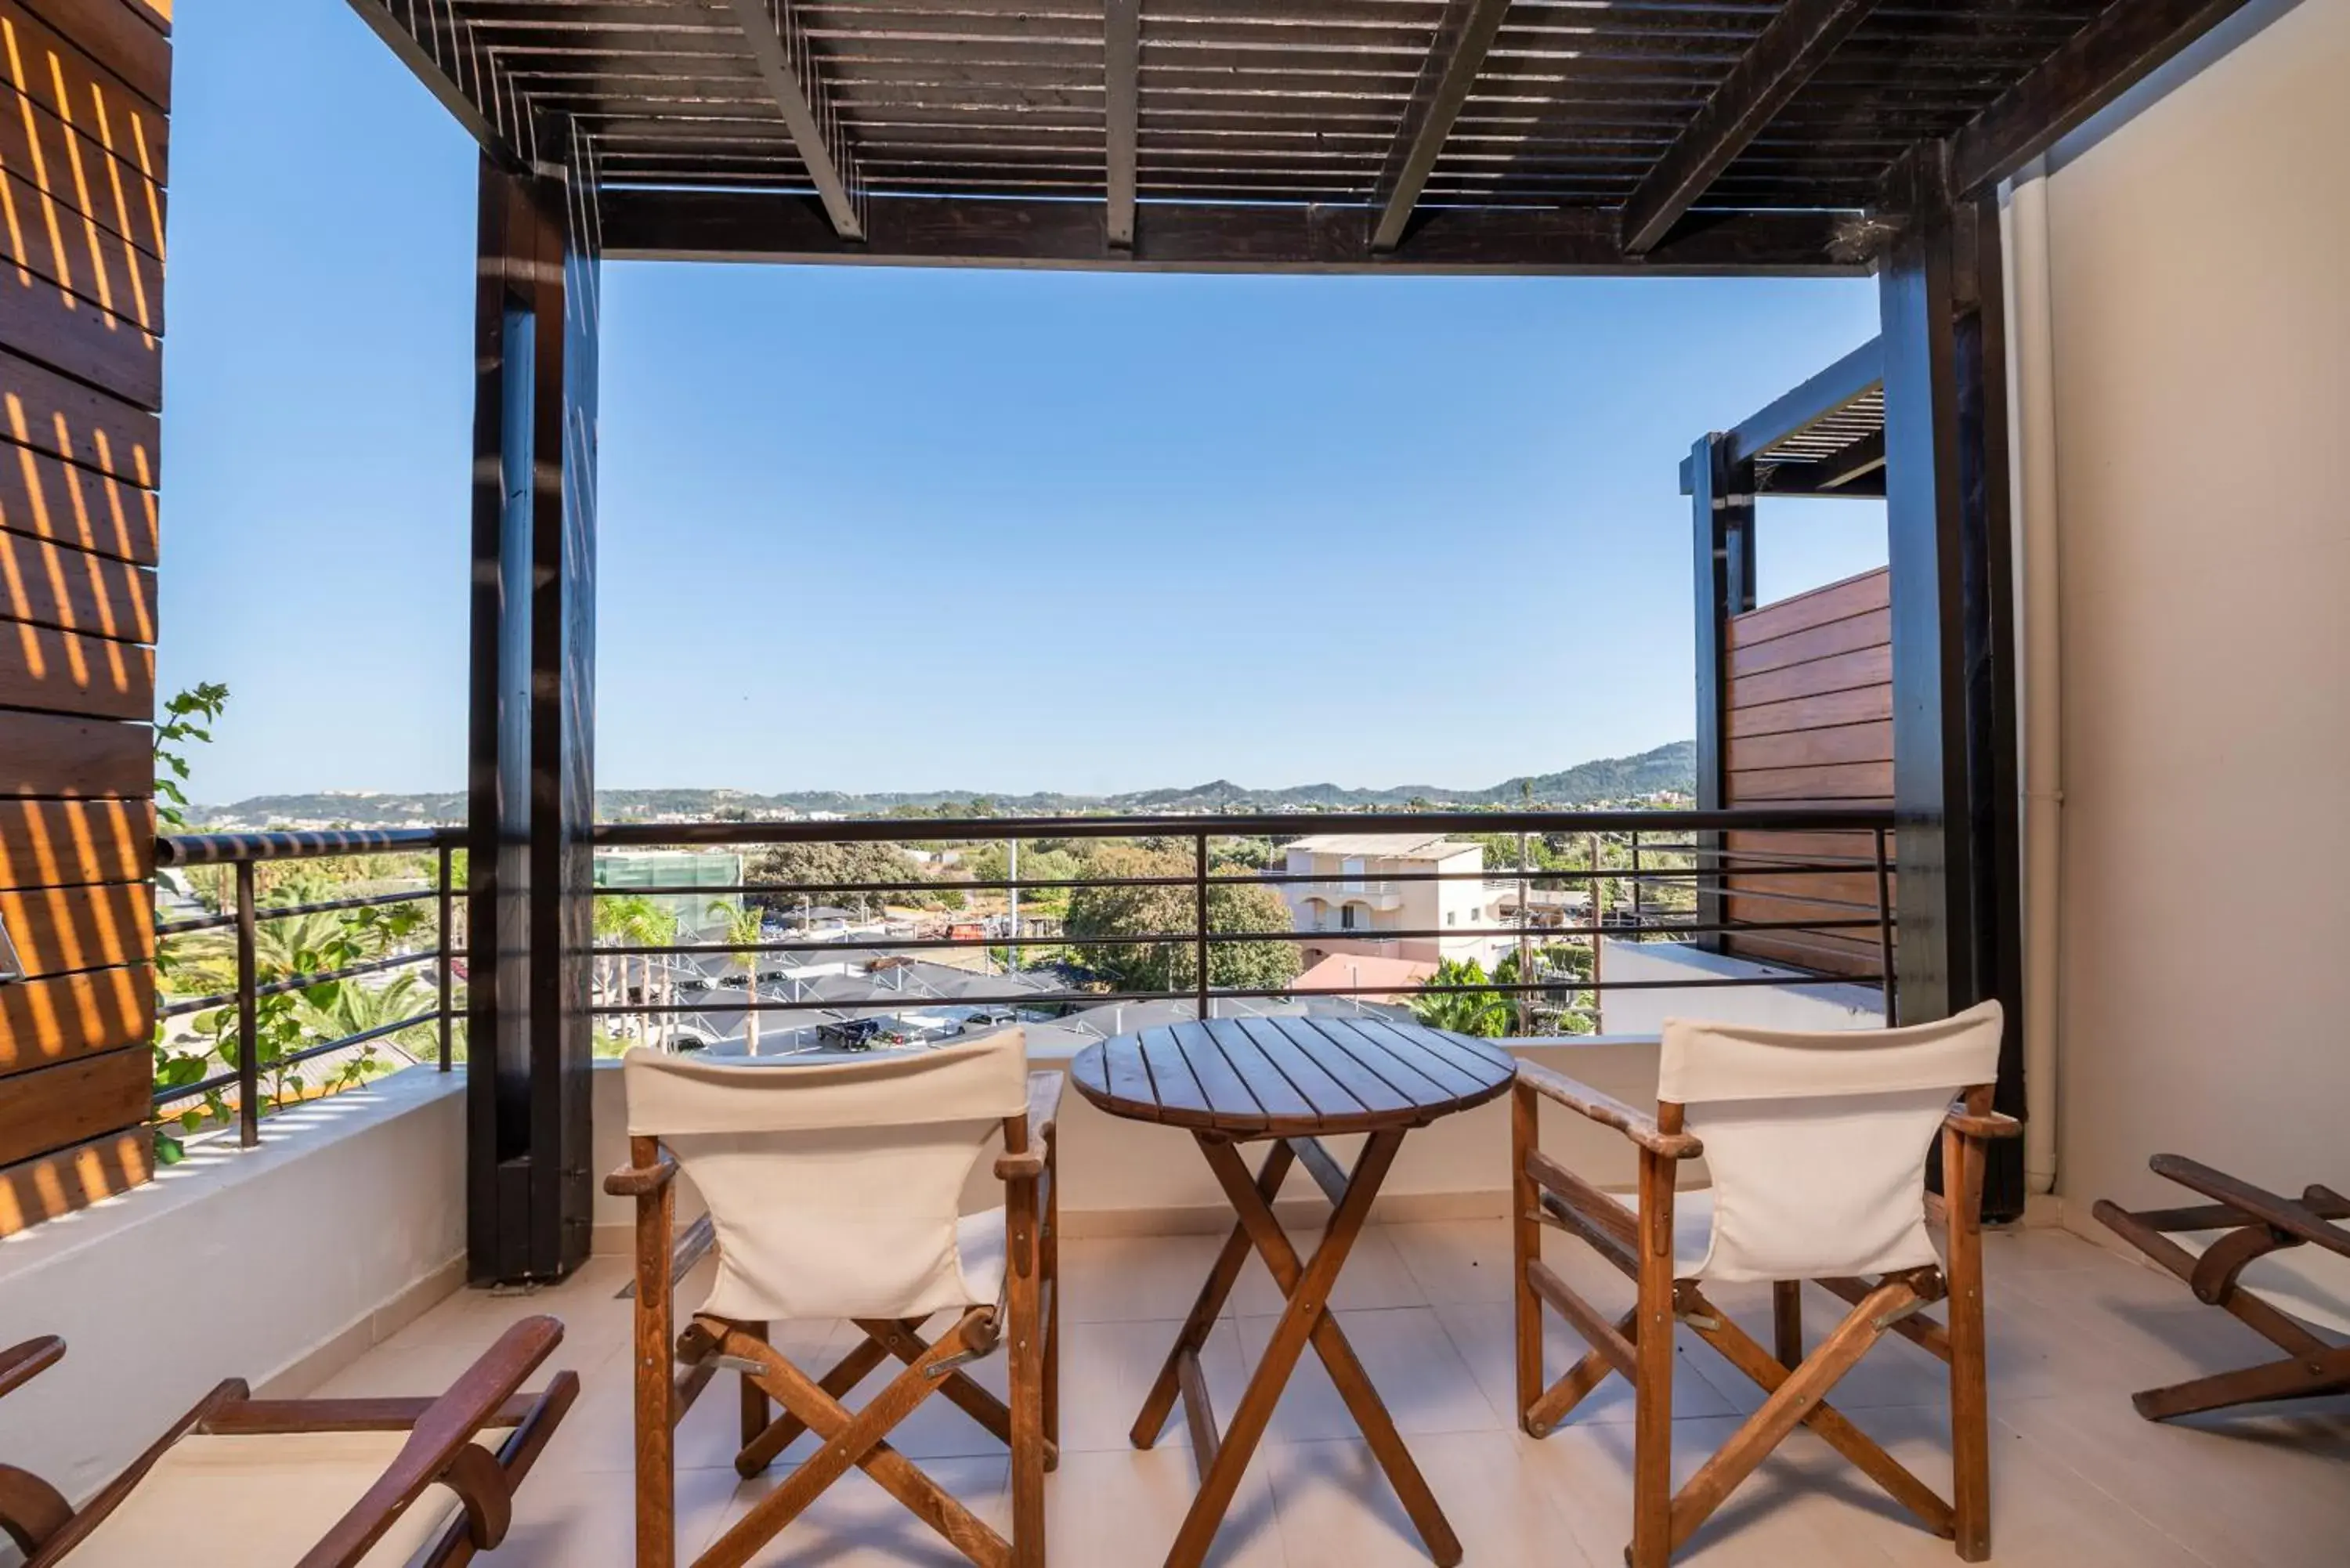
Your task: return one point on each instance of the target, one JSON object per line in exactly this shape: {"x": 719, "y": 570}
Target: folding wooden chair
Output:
{"x": 1817, "y": 1146}
{"x": 834, "y": 1190}
{"x": 240, "y": 1482}
{"x": 2242, "y": 1253}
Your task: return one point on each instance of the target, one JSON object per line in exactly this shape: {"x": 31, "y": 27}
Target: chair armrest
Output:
{"x": 2272, "y": 1209}
{"x": 1987, "y": 1125}
{"x": 1610, "y": 1111}
{"x": 1044, "y": 1112}
{"x": 441, "y": 1448}
{"x": 20, "y": 1363}
{"x": 638, "y": 1180}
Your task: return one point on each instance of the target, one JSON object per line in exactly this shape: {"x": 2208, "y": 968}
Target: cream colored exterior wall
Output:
{"x": 1383, "y": 904}
{"x": 2199, "y": 281}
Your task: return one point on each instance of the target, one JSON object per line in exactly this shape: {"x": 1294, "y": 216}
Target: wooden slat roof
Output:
{"x": 1288, "y": 105}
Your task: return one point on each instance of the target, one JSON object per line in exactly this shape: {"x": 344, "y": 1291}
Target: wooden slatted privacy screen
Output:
{"x": 1810, "y": 723}
{"x": 85, "y": 96}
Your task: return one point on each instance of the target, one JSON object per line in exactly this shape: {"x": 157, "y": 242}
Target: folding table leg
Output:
{"x": 1160, "y": 1402}
{"x": 1307, "y": 1319}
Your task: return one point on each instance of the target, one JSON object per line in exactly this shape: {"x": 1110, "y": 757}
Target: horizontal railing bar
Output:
{"x": 907, "y": 1003}
{"x": 223, "y": 1080}
{"x": 657, "y": 835}
{"x": 300, "y": 982}
{"x": 287, "y": 912}
{"x": 1359, "y": 933}
{"x": 226, "y": 848}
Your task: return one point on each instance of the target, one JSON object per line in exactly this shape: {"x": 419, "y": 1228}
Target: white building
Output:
{"x": 1362, "y": 891}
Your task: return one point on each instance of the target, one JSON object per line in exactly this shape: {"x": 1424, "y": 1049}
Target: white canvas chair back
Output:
{"x": 834, "y": 1188}
{"x": 1818, "y": 1142}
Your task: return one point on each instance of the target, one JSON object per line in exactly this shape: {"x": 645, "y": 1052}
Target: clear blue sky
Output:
{"x": 901, "y": 529}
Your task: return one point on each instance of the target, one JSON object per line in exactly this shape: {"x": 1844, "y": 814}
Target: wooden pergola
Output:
{"x": 1674, "y": 137}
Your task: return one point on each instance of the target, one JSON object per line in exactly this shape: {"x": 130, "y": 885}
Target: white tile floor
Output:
{"x": 2078, "y": 1480}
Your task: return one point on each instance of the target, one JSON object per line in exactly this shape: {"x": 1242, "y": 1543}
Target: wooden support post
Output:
{"x": 1721, "y": 517}
{"x": 1652, "y": 1397}
{"x": 532, "y": 765}
{"x": 1954, "y": 673}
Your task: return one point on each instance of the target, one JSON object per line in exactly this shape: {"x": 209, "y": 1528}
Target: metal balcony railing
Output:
{"x": 1644, "y": 875}
{"x": 244, "y": 914}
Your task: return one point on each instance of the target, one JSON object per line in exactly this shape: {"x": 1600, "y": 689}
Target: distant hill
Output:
{"x": 1667, "y": 769}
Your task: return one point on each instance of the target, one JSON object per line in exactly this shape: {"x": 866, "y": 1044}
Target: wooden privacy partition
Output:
{"x": 1810, "y": 723}
{"x": 83, "y": 128}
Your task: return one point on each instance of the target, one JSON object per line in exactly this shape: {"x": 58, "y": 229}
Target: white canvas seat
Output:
{"x": 1818, "y": 1144}
{"x": 261, "y": 1502}
{"x": 242, "y": 1482}
{"x": 835, "y": 1191}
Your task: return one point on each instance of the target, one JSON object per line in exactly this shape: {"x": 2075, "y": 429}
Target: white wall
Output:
{"x": 1838, "y": 1006}
{"x": 2200, "y": 303}
{"x": 271, "y": 1263}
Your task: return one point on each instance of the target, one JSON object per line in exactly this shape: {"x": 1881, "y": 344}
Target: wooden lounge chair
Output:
{"x": 324, "y": 1484}
{"x": 2243, "y": 1252}
{"x": 1817, "y": 1146}
{"x": 834, "y": 1190}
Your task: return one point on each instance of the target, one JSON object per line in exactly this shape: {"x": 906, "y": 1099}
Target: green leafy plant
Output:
{"x": 188, "y": 717}
{"x": 1485, "y": 1013}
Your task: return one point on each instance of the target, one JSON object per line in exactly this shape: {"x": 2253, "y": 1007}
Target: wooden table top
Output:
{"x": 1290, "y": 1077}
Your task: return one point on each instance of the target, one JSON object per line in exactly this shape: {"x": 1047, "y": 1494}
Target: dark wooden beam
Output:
{"x": 1450, "y": 70}
{"x": 787, "y": 65}
{"x": 723, "y": 226}
{"x": 1122, "y": 103}
{"x": 1802, "y": 407}
{"x": 1795, "y": 43}
{"x": 2104, "y": 60}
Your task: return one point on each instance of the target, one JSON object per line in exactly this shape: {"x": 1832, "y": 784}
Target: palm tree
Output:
{"x": 745, "y": 928}
{"x": 1480, "y": 1013}
{"x": 634, "y": 920}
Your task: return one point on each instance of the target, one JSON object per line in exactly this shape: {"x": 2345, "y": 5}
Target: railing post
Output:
{"x": 1200, "y": 885}
{"x": 1525, "y": 949}
{"x": 1598, "y": 940}
{"x": 1884, "y": 930}
{"x": 448, "y": 909}
{"x": 248, "y": 1014}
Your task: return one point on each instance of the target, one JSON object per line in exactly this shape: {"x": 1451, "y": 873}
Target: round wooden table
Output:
{"x": 1231, "y": 1081}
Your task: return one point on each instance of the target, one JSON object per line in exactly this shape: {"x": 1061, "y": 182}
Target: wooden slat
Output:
{"x": 1853, "y": 596}
{"x": 46, "y": 1022}
{"x": 1854, "y": 705}
{"x": 58, "y": 1183}
{"x": 41, "y": 321}
{"x": 61, "y": 842}
{"x": 57, "y": 1107}
{"x": 1859, "y": 847}
{"x": 91, "y": 263}
{"x": 114, "y": 35}
{"x": 1835, "y": 895}
{"x": 47, "y": 412}
{"x": 1870, "y": 743}
{"x": 1308, "y": 1063}
{"x": 52, "y": 754}
{"x": 119, "y": 189}
{"x": 1824, "y": 952}
{"x": 1841, "y": 781}
{"x": 58, "y": 930}
{"x": 1283, "y": 1101}
{"x": 1839, "y": 672}
{"x": 48, "y": 585}
{"x": 66, "y": 673}
{"x": 1872, "y": 628}
{"x": 43, "y": 498}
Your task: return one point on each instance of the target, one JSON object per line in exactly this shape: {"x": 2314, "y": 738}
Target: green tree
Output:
{"x": 746, "y": 928}
{"x": 1483, "y": 1012}
{"x": 632, "y": 920}
{"x": 789, "y": 866}
{"x": 1171, "y": 912}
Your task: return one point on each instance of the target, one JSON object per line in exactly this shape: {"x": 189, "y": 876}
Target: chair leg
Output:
{"x": 2304, "y": 1377}
{"x": 1526, "y": 1247}
{"x": 1787, "y": 1322}
{"x": 755, "y": 1410}
{"x": 1023, "y": 1308}
{"x": 1963, "y": 1182}
{"x": 655, "y": 1390}
{"x": 1652, "y": 1409}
